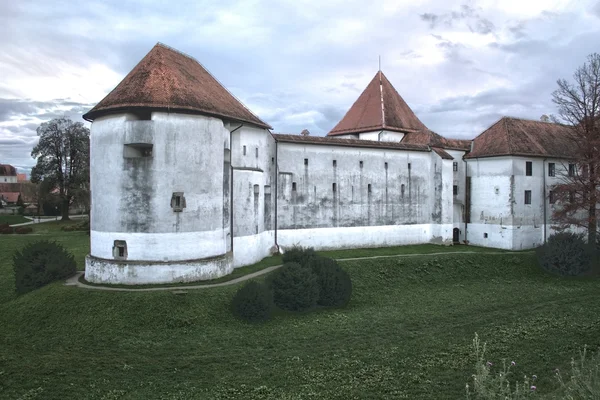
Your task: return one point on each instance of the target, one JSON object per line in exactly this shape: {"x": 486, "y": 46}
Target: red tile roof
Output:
{"x": 433, "y": 139}
{"x": 521, "y": 137}
{"x": 10, "y": 197}
{"x": 7, "y": 170}
{"x": 332, "y": 141}
{"x": 169, "y": 80}
{"x": 27, "y": 190}
{"x": 378, "y": 107}
{"x": 442, "y": 153}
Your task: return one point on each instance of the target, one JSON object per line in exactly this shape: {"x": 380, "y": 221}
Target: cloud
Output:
{"x": 470, "y": 15}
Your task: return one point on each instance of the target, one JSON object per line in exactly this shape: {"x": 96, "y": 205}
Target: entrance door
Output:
{"x": 456, "y": 235}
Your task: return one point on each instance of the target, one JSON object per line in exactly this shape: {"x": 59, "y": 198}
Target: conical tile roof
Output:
{"x": 378, "y": 107}
{"x": 167, "y": 79}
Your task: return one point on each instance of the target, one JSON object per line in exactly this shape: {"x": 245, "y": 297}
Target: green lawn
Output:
{"x": 406, "y": 334}
{"x": 12, "y": 219}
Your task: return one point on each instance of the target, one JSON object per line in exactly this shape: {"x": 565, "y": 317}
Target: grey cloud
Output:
{"x": 469, "y": 14}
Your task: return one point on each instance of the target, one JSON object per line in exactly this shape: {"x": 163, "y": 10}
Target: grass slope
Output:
{"x": 405, "y": 334}
{"x": 12, "y": 219}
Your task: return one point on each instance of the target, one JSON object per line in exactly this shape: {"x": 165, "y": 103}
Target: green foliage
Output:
{"x": 299, "y": 255}
{"x": 490, "y": 382}
{"x": 566, "y": 253}
{"x": 83, "y": 226}
{"x": 335, "y": 285}
{"x": 40, "y": 263}
{"x": 584, "y": 382}
{"x": 295, "y": 287}
{"x": 253, "y": 302}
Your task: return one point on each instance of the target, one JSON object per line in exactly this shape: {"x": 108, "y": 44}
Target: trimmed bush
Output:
{"x": 299, "y": 255}
{"x": 566, "y": 254}
{"x": 335, "y": 285}
{"x": 40, "y": 263}
{"x": 295, "y": 288}
{"x": 7, "y": 230}
{"x": 253, "y": 302}
{"x": 22, "y": 230}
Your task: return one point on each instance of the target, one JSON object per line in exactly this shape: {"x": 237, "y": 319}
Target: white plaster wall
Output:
{"x": 130, "y": 273}
{"x": 8, "y": 179}
{"x": 356, "y": 237}
{"x": 381, "y": 136}
{"x": 251, "y": 249}
{"x": 169, "y": 246}
{"x": 133, "y": 196}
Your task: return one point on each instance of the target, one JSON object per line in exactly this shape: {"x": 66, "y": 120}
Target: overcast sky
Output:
{"x": 460, "y": 65}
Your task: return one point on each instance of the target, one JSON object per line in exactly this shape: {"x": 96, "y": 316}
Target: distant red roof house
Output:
{"x": 10, "y": 198}
{"x": 521, "y": 137}
{"x": 7, "y": 170}
{"x": 169, "y": 80}
{"x": 22, "y": 178}
{"x": 378, "y": 107}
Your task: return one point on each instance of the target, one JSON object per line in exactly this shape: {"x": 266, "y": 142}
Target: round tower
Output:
{"x": 160, "y": 174}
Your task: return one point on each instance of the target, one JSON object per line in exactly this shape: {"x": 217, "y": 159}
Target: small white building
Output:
{"x": 188, "y": 184}
{"x": 8, "y": 174}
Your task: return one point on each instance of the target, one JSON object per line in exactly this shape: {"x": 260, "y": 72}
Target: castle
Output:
{"x": 188, "y": 184}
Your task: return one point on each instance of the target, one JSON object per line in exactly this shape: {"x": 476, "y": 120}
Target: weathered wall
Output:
{"x": 8, "y": 179}
{"x": 132, "y": 196}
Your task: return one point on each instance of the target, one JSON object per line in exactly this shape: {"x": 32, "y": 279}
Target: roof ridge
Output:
{"x": 381, "y": 101}
{"x": 508, "y": 141}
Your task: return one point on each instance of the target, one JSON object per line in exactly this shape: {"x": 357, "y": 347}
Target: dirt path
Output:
{"x": 74, "y": 280}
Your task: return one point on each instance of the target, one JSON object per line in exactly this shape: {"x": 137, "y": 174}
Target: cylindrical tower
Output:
{"x": 160, "y": 174}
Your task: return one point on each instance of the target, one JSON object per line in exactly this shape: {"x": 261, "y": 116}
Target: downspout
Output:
{"x": 544, "y": 198}
{"x": 467, "y": 197}
{"x": 276, "y": 188}
{"x": 231, "y": 183}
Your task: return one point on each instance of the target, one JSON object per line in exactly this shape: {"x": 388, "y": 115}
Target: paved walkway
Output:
{"x": 34, "y": 220}
{"x": 74, "y": 280}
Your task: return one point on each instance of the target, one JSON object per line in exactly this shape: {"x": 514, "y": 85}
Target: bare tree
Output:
{"x": 578, "y": 104}
{"x": 63, "y": 156}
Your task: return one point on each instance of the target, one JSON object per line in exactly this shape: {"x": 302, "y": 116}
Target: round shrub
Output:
{"x": 334, "y": 283}
{"x": 40, "y": 263}
{"x": 299, "y": 255}
{"x": 566, "y": 254}
{"x": 295, "y": 288}
{"x": 253, "y": 302}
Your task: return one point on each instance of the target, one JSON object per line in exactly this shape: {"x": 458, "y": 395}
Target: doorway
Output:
{"x": 456, "y": 235}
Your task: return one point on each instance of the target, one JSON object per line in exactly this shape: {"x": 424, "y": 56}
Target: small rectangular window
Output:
{"x": 137, "y": 150}
{"x": 335, "y": 163}
{"x": 455, "y": 190}
{"x": 385, "y": 165}
{"x": 306, "y": 161}
{"x": 551, "y": 169}
{"x": 293, "y": 186}
{"x": 528, "y": 197}
{"x": 177, "y": 201}
{"x": 273, "y": 160}
{"x": 360, "y": 163}
{"x": 528, "y": 168}
{"x": 244, "y": 150}
{"x": 120, "y": 249}
{"x": 334, "y": 187}
{"x": 551, "y": 197}
{"x": 257, "y": 152}
{"x": 571, "y": 169}
{"x": 455, "y": 166}
{"x": 485, "y": 235}
{"x": 369, "y": 188}
{"x": 409, "y": 166}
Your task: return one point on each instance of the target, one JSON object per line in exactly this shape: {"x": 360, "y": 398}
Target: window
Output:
{"x": 369, "y": 188}
{"x": 177, "y": 201}
{"x": 360, "y": 163}
{"x": 402, "y": 190}
{"x": 257, "y": 152}
{"x": 551, "y": 197}
{"x": 485, "y": 235}
{"x": 293, "y": 186}
{"x": 455, "y": 166}
{"x": 528, "y": 168}
{"x": 334, "y": 187}
{"x": 335, "y": 163}
{"x": 385, "y": 165}
{"x": 455, "y": 190}
{"x": 571, "y": 169}
{"x": 136, "y": 150}
{"x": 551, "y": 169}
{"x": 306, "y": 162}
{"x": 409, "y": 166}
{"x": 273, "y": 160}
{"x": 120, "y": 249}
{"x": 528, "y": 197}
{"x": 244, "y": 150}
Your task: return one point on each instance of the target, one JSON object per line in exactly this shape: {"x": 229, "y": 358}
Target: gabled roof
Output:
{"x": 167, "y": 79}
{"x": 378, "y": 107}
{"x": 7, "y": 170}
{"x": 521, "y": 137}
{"x": 442, "y": 153}
{"x": 333, "y": 141}
{"x": 435, "y": 140}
